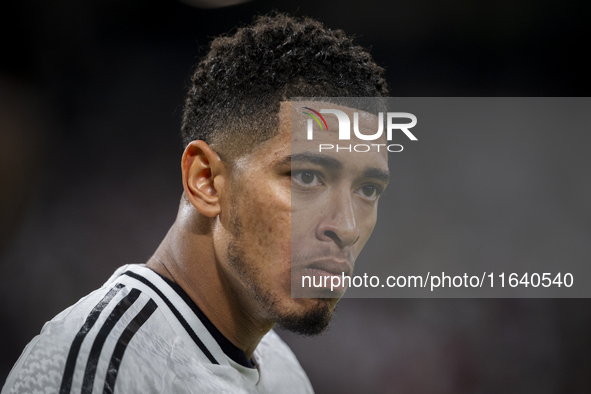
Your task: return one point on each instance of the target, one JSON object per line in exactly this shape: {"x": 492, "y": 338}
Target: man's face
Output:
{"x": 293, "y": 208}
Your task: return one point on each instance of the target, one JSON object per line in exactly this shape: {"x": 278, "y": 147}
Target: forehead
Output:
{"x": 292, "y": 140}
{"x": 301, "y": 118}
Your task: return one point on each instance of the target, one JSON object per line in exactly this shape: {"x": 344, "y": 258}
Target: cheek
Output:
{"x": 267, "y": 241}
{"x": 366, "y": 223}
{"x": 304, "y": 220}
{"x": 267, "y": 229}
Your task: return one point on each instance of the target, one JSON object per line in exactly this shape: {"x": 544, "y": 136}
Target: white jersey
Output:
{"x": 141, "y": 333}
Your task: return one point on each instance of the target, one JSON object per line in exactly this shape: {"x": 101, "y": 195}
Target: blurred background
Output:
{"x": 91, "y": 94}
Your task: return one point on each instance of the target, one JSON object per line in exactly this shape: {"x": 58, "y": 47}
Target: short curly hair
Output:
{"x": 236, "y": 91}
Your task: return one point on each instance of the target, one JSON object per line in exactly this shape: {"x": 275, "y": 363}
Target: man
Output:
{"x": 198, "y": 317}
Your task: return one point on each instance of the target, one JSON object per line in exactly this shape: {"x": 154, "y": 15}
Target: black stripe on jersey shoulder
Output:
{"x": 121, "y": 346}
{"x": 178, "y": 315}
{"x": 99, "y": 341}
{"x": 228, "y": 347}
{"x": 79, "y": 338}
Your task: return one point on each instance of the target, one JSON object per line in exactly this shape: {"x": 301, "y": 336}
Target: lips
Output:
{"x": 332, "y": 267}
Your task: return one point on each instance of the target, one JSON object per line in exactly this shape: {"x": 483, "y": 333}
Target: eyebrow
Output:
{"x": 334, "y": 164}
{"x": 377, "y": 173}
{"x": 321, "y": 160}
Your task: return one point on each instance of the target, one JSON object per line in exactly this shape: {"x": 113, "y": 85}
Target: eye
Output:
{"x": 306, "y": 178}
{"x": 371, "y": 192}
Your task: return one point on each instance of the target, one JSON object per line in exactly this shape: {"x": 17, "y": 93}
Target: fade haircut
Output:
{"x": 234, "y": 98}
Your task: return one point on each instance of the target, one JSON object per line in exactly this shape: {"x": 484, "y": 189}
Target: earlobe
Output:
{"x": 200, "y": 167}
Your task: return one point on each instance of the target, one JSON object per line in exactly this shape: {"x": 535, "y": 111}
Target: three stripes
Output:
{"x": 97, "y": 346}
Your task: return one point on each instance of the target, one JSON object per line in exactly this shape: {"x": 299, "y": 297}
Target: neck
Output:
{"x": 187, "y": 256}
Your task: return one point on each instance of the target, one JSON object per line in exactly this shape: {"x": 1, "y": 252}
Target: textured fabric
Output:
{"x": 136, "y": 334}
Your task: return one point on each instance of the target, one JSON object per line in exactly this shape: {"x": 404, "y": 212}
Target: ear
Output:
{"x": 203, "y": 177}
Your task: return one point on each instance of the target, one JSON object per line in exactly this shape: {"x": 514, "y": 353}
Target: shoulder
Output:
{"x": 139, "y": 334}
{"x": 97, "y": 343}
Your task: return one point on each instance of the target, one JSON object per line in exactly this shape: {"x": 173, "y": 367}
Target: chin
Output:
{"x": 313, "y": 319}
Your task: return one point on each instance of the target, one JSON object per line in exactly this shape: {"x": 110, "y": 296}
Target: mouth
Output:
{"x": 324, "y": 278}
{"x": 329, "y": 267}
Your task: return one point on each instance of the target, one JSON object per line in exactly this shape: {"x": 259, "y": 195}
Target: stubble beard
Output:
{"x": 312, "y": 321}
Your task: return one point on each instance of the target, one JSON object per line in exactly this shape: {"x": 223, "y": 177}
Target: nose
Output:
{"x": 338, "y": 223}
